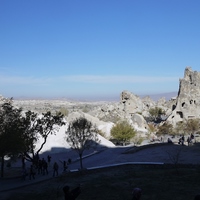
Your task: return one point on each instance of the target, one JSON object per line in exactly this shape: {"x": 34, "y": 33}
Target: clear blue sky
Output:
{"x": 96, "y": 48}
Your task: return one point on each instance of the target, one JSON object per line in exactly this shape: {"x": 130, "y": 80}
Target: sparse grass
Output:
{"x": 116, "y": 183}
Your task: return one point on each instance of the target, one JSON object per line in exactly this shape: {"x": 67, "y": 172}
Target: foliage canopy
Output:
{"x": 19, "y": 131}
{"x": 11, "y": 131}
{"x": 192, "y": 126}
{"x": 122, "y": 132}
{"x": 155, "y": 114}
{"x": 81, "y": 135}
{"x": 165, "y": 128}
{"x": 39, "y": 126}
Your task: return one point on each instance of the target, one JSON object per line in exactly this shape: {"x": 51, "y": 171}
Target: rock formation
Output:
{"x": 130, "y": 107}
{"x": 131, "y": 103}
{"x": 105, "y": 127}
{"x": 187, "y": 104}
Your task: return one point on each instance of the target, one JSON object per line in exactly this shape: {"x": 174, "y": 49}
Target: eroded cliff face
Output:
{"x": 131, "y": 103}
{"x": 187, "y": 105}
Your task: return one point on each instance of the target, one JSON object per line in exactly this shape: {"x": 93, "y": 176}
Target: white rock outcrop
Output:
{"x": 57, "y": 143}
{"x": 187, "y": 105}
{"x": 105, "y": 127}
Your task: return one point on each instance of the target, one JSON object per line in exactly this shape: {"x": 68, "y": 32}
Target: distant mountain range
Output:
{"x": 167, "y": 96}
{"x": 154, "y": 97}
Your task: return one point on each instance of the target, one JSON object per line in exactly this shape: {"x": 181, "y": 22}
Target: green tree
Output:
{"x": 137, "y": 140}
{"x": 165, "y": 128}
{"x": 179, "y": 128}
{"x": 81, "y": 135}
{"x": 192, "y": 126}
{"x": 152, "y": 128}
{"x": 155, "y": 114}
{"x": 39, "y": 127}
{"x": 19, "y": 131}
{"x": 122, "y": 132}
{"x": 11, "y": 132}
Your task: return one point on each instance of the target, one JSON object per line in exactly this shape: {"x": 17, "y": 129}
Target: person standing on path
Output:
{"x": 49, "y": 159}
{"x": 32, "y": 172}
{"x": 64, "y": 163}
{"x": 45, "y": 167}
{"x": 55, "y": 169}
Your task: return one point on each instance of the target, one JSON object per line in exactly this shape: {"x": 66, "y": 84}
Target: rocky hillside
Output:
{"x": 130, "y": 106}
{"x": 103, "y": 114}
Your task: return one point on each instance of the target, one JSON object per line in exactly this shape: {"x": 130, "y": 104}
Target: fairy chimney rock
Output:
{"x": 188, "y": 100}
{"x": 132, "y": 103}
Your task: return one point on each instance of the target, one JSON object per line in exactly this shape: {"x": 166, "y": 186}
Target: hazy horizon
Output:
{"x": 154, "y": 97}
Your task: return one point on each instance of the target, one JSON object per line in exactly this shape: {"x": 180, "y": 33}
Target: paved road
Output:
{"x": 163, "y": 154}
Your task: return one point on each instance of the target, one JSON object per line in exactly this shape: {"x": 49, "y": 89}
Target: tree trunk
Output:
{"x": 2, "y": 166}
{"x": 81, "y": 161}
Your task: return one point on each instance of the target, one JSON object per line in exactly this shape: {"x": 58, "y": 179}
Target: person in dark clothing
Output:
{"x": 24, "y": 173}
{"x": 45, "y": 167}
{"x": 64, "y": 165}
{"x": 49, "y": 159}
{"x": 55, "y": 169}
{"x": 137, "y": 193}
{"x": 188, "y": 141}
{"x": 71, "y": 194}
{"x": 40, "y": 170}
{"x": 32, "y": 172}
{"x": 182, "y": 140}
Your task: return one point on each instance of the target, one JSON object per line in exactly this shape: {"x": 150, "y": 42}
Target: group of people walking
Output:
{"x": 189, "y": 139}
{"x": 41, "y": 167}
